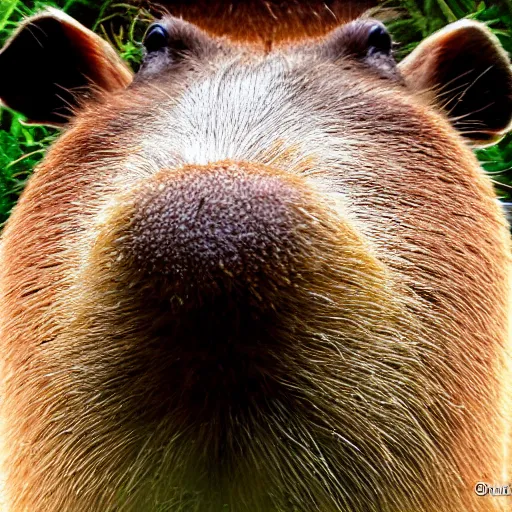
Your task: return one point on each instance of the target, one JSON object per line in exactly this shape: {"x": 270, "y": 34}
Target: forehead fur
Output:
{"x": 250, "y": 107}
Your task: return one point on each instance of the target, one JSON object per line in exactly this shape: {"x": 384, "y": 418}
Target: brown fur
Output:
{"x": 274, "y": 281}
{"x": 263, "y": 21}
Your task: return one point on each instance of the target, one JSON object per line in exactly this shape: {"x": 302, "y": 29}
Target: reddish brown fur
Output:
{"x": 264, "y": 21}
{"x": 363, "y": 340}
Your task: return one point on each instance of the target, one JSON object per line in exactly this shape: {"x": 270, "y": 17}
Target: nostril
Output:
{"x": 208, "y": 222}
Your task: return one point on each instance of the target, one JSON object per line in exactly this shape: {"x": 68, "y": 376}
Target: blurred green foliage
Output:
{"x": 21, "y": 146}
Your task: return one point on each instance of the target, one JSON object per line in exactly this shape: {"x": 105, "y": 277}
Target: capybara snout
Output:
{"x": 202, "y": 224}
{"x": 268, "y": 278}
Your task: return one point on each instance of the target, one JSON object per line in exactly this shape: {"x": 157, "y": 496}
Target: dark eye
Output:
{"x": 379, "y": 40}
{"x": 156, "y": 38}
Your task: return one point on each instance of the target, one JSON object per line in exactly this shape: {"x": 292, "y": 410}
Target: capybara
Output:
{"x": 256, "y": 278}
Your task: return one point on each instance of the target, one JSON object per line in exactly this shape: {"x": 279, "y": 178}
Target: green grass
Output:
{"x": 22, "y": 147}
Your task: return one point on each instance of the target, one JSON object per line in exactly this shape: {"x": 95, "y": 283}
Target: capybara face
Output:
{"x": 257, "y": 280}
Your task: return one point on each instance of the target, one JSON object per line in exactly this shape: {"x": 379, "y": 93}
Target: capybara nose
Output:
{"x": 202, "y": 225}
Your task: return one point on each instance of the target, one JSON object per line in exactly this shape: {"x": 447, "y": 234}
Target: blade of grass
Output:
{"x": 448, "y": 13}
{"x": 6, "y": 9}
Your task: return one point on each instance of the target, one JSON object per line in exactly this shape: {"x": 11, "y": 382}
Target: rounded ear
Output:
{"x": 465, "y": 71}
{"x": 51, "y": 63}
